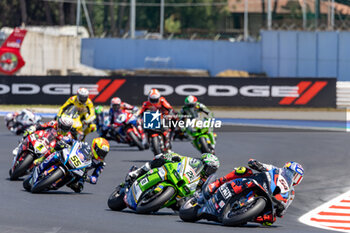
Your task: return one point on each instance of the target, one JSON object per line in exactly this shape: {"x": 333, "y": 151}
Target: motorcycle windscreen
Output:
{"x": 78, "y": 158}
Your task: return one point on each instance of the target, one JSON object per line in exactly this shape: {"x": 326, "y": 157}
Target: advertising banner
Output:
{"x": 253, "y": 92}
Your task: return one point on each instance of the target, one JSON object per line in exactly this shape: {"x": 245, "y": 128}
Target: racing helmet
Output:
{"x": 83, "y": 95}
{"x": 100, "y": 148}
{"x": 154, "y": 96}
{"x": 211, "y": 164}
{"x": 98, "y": 109}
{"x": 190, "y": 101}
{"x": 296, "y": 171}
{"x": 115, "y": 103}
{"x": 64, "y": 124}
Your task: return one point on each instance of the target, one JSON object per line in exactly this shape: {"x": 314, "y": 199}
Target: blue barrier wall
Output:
{"x": 278, "y": 54}
{"x": 214, "y": 56}
{"x": 306, "y": 54}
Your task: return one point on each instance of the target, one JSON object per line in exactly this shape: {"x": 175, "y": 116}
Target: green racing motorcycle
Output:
{"x": 203, "y": 139}
{"x": 159, "y": 187}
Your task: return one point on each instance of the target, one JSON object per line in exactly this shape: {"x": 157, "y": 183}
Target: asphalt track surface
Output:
{"x": 325, "y": 156}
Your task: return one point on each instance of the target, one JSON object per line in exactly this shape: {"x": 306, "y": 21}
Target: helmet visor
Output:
{"x": 101, "y": 153}
{"x": 154, "y": 100}
{"x": 82, "y": 99}
{"x": 63, "y": 128}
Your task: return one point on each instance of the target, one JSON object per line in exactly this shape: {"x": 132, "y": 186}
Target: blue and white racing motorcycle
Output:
{"x": 59, "y": 169}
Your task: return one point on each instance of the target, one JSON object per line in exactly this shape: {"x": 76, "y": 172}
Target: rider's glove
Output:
{"x": 254, "y": 164}
{"x": 60, "y": 145}
{"x": 29, "y": 131}
{"x": 91, "y": 179}
{"x": 175, "y": 159}
{"x": 39, "y": 161}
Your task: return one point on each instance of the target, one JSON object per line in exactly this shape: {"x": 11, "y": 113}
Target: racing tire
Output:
{"x": 136, "y": 140}
{"x": 26, "y": 183}
{"x": 46, "y": 182}
{"x": 188, "y": 212}
{"x": 204, "y": 145}
{"x": 156, "y": 146}
{"x": 250, "y": 213}
{"x": 22, "y": 167}
{"x": 156, "y": 203}
{"x": 115, "y": 201}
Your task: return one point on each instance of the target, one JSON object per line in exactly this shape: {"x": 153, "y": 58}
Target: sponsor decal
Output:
{"x": 225, "y": 192}
{"x": 144, "y": 181}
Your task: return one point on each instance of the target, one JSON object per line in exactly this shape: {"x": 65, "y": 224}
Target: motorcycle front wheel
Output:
{"x": 115, "y": 200}
{"x": 136, "y": 140}
{"x": 154, "y": 203}
{"x": 156, "y": 146}
{"x": 22, "y": 167}
{"x": 235, "y": 218}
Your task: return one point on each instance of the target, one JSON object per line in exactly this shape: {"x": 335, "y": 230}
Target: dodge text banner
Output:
{"x": 255, "y": 92}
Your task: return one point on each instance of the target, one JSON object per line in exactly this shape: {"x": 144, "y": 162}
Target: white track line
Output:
{"x": 333, "y": 215}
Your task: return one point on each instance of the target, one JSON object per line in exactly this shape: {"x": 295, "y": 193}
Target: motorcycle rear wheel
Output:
{"x": 155, "y": 204}
{"x": 115, "y": 200}
{"x": 250, "y": 213}
{"x": 46, "y": 182}
{"x": 22, "y": 167}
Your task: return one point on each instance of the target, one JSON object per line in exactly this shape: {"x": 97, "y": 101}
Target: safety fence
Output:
{"x": 255, "y": 92}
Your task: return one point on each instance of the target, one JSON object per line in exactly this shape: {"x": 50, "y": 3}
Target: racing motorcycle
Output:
{"x": 18, "y": 122}
{"x": 236, "y": 206}
{"x": 158, "y": 188}
{"x": 70, "y": 166}
{"x": 203, "y": 139}
{"x": 125, "y": 128}
{"x": 31, "y": 147}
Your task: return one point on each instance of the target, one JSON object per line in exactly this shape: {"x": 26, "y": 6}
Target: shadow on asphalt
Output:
{"x": 58, "y": 192}
{"x": 135, "y": 161}
{"x": 249, "y": 225}
{"x": 128, "y": 211}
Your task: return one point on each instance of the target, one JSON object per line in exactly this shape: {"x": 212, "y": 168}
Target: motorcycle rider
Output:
{"x": 211, "y": 164}
{"x": 191, "y": 110}
{"x": 14, "y": 120}
{"x": 99, "y": 150}
{"x": 62, "y": 127}
{"x": 85, "y": 108}
{"x": 118, "y": 107}
{"x": 291, "y": 171}
{"x": 193, "y": 107}
{"x": 99, "y": 121}
{"x": 156, "y": 102}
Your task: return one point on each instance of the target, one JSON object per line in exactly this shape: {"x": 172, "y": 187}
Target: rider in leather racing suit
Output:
{"x": 210, "y": 161}
{"x": 61, "y": 133}
{"x": 118, "y": 107}
{"x": 295, "y": 174}
{"x": 99, "y": 149}
{"x": 155, "y": 103}
{"x": 85, "y": 108}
